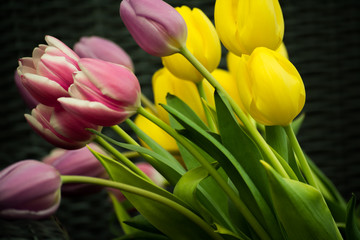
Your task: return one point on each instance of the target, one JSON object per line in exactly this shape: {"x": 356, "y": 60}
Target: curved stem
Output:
{"x": 118, "y": 155}
{"x": 239, "y": 204}
{"x": 301, "y": 156}
{"x": 244, "y": 119}
{"x": 147, "y": 194}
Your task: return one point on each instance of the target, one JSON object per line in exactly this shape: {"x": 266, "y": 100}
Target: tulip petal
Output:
{"x": 43, "y": 89}
{"x": 52, "y": 41}
{"x": 95, "y": 112}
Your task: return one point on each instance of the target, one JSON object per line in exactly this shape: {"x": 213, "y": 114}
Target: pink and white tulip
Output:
{"x": 104, "y": 49}
{"x": 103, "y": 93}
{"x": 60, "y": 128}
{"x": 29, "y": 189}
{"x": 30, "y": 101}
{"x": 48, "y": 74}
{"x": 155, "y": 25}
{"x": 80, "y": 162}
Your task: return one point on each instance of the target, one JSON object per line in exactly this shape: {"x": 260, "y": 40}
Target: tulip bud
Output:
{"x": 103, "y": 93}
{"x": 60, "y": 128}
{"x": 80, "y": 162}
{"x": 30, "y": 101}
{"x": 155, "y": 26}
{"x": 203, "y": 42}
{"x": 104, "y": 49}
{"x": 270, "y": 87}
{"x": 29, "y": 189}
{"x": 243, "y": 25}
{"x": 48, "y": 74}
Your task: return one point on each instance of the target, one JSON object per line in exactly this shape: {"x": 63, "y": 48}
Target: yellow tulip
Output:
{"x": 164, "y": 82}
{"x": 202, "y": 41}
{"x": 270, "y": 87}
{"x": 156, "y": 133}
{"x": 243, "y": 25}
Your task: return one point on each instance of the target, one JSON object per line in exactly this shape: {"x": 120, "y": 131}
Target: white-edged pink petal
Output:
{"x": 43, "y": 89}
{"x": 52, "y": 41}
{"x": 95, "y": 112}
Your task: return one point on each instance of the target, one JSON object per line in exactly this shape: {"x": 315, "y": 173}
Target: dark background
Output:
{"x": 323, "y": 41}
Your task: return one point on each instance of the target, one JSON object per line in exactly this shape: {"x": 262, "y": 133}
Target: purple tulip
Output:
{"x": 104, "y": 49}
{"x": 155, "y": 25}
{"x": 79, "y": 162}
{"x": 60, "y": 128}
{"x": 103, "y": 93}
{"x": 48, "y": 74}
{"x": 29, "y": 189}
{"x": 30, "y": 101}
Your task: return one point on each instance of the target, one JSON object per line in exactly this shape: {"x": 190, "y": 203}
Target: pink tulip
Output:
{"x": 79, "y": 162}
{"x": 60, "y": 128}
{"x": 103, "y": 93}
{"x": 48, "y": 74}
{"x": 155, "y": 25}
{"x": 29, "y": 189}
{"x": 30, "y": 101}
{"x": 104, "y": 49}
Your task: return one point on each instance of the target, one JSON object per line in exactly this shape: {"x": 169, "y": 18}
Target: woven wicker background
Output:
{"x": 323, "y": 41}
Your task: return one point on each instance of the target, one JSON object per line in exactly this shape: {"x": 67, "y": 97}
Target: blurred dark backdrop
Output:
{"x": 323, "y": 41}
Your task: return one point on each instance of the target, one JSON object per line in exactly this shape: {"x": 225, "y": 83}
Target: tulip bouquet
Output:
{"x": 224, "y": 140}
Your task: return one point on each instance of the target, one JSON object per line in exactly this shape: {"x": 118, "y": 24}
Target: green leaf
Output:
{"x": 187, "y": 187}
{"x": 182, "y": 107}
{"x": 276, "y": 137}
{"x": 141, "y": 223}
{"x": 301, "y": 209}
{"x": 172, "y": 171}
{"x": 229, "y": 235}
{"x": 121, "y": 214}
{"x": 165, "y": 218}
{"x": 249, "y": 192}
{"x": 352, "y": 230}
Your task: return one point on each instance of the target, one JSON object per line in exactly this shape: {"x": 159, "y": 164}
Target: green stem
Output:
{"x": 118, "y": 155}
{"x": 239, "y": 204}
{"x": 301, "y": 156}
{"x": 202, "y": 94}
{"x": 242, "y": 116}
{"x": 146, "y": 194}
{"x": 124, "y": 135}
{"x": 147, "y": 103}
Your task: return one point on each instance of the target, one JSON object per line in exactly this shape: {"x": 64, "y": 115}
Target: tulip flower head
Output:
{"x": 104, "y": 49}
{"x": 203, "y": 42}
{"x": 244, "y": 25}
{"x": 103, "y": 93}
{"x": 29, "y": 189}
{"x": 270, "y": 87}
{"x": 48, "y": 74}
{"x": 155, "y": 25}
{"x": 60, "y": 128}
{"x": 80, "y": 162}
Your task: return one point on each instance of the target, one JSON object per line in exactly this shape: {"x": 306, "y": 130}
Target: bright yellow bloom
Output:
{"x": 270, "y": 87}
{"x": 164, "y": 82}
{"x": 202, "y": 41}
{"x": 156, "y": 133}
{"x": 243, "y": 25}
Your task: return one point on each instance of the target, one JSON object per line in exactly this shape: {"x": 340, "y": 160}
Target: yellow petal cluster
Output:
{"x": 243, "y": 25}
{"x": 202, "y": 41}
{"x": 270, "y": 87}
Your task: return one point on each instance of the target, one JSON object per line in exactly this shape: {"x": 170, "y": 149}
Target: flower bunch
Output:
{"x": 224, "y": 139}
